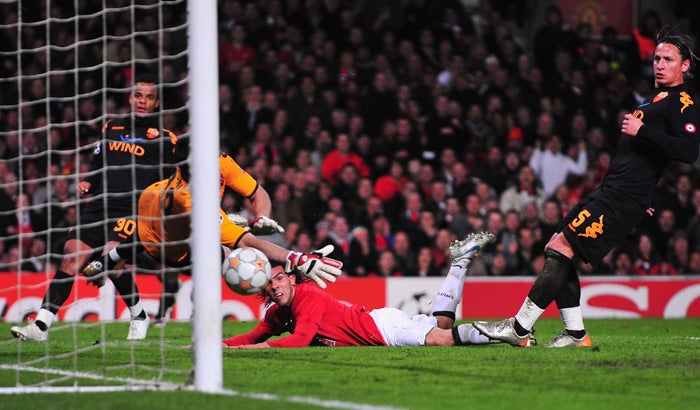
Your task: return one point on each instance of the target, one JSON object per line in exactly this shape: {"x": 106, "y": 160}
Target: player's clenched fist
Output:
{"x": 315, "y": 265}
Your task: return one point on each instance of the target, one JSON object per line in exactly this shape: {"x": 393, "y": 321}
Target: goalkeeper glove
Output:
{"x": 265, "y": 226}
{"x": 315, "y": 265}
{"x": 238, "y": 220}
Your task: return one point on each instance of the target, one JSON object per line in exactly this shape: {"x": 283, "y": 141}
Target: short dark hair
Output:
{"x": 146, "y": 77}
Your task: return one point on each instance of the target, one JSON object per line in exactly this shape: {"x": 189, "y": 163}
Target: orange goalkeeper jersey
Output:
{"x": 164, "y": 212}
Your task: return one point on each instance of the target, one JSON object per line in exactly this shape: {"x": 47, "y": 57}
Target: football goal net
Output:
{"x": 66, "y": 69}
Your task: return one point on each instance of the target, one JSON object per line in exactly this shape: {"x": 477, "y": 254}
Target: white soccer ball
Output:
{"x": 246, "y": 271}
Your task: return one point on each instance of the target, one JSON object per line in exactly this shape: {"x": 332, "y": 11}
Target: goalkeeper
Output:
{"x": 164, "y": 229}
{"x": 315, "y": 318}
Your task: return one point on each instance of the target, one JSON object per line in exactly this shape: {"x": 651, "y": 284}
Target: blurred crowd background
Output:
{"x": 385, "y": 128}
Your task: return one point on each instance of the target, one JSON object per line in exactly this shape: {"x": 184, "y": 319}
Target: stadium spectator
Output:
{"x": 623, "y": 263}
{"x": 604, "y": 218}
{"x": 679, "y": 256}
{"x": 694, "y": 263}
{"x": 38, "y": 259}
{"x": 362, "y": 253}
{"x": 453, "y": 219}
{"x": 459, "y": 183}
{"x": 443, "y": 129}
{"x": 388, "y": 186}
{"x": 387, "y": 265}
{"x": 321, "y": 320}
{"x": 475, "y": 214}
{"x": 439, "y": 248}
{"x": 425, "y": 265}
{"x": 379, "y": 105}
{"x": 661, "y": 229}
{"x": 552, "y": 166}
{"x": 343, "y": 154}
{"x": 492, "y": 170}
{"x": 404, "y": 254}
{"x": 234, "y": 53}
{"x": 680, "y": 200}
{"x": 29, "y": 224}
{"x": 426, "y": 231}
{"x": 524, "y": 191}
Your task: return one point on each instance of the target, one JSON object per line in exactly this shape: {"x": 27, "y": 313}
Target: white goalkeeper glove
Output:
{"x": 265, "y": 226}
{"x": 239, "y": 220}
{"x": 315, "y": 265}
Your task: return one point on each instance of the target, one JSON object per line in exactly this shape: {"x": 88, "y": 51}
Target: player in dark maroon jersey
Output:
{"x": 315, "y": 318}
{"x": 130, "y": 157}
{"x": 660, "y": 130}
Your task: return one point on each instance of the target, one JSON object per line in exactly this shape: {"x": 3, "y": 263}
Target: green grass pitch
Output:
{"x": 634, "y": 364}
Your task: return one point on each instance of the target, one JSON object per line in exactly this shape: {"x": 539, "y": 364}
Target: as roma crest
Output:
{"x": 152, "y": 133}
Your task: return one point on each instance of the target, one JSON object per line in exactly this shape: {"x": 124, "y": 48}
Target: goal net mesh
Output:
{"x": 66, "y": 67}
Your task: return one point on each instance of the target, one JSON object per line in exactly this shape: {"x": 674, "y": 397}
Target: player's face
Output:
{"x": 144, "y": 98}
{"x": 669, "y": 65}
{"x": 281, "y": 287}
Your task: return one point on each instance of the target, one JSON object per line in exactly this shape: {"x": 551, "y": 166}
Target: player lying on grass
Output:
{"x": 315, "y": 318}
{"x": 163, "y": 227}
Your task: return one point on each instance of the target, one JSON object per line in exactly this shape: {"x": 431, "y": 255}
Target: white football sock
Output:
{"x": 528, "y": 314}
{"x": 450, "y": 293}
{"x": 114, "y": 255}
{"x": 572, "y": 318}
{"x": 44, "y": 316}
{"x": 470, "y": 336}
{"x": 136, "y": 310}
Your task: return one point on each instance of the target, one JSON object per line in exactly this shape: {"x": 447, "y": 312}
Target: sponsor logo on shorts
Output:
{"x": 689, "y": 127}
{"x": 595, "y": 229}
{"x": 591, "y": 231}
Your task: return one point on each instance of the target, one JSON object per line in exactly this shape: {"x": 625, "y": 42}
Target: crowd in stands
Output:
{"x": 385, "y": 128}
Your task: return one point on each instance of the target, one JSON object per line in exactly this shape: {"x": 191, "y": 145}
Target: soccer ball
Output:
{"x": 247, "y": 271}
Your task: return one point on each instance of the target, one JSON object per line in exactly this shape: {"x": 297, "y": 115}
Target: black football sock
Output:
{"x": 550, "y": 282}
{"x": 456, "y": 337}
{"x": 167, "y": 299}
{"x": 519, "y": 329}
{"x": 126, "y": 287}
{"x": 57, "y": 294}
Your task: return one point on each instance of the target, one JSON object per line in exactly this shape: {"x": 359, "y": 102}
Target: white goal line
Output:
{"x": 132, "y": 384}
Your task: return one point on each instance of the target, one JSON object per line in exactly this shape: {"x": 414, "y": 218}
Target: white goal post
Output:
{"x": 206, "y": 321}
{"x": 59, "y": 63}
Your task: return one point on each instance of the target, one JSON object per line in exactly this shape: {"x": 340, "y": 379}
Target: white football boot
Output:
{"x": 138, "y": 329}
{"x": 30, "y": 332}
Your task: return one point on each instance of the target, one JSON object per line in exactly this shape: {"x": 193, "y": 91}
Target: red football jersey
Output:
{"x": 315, "y": 318}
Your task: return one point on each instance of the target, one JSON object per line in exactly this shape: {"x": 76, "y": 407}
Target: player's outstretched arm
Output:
{"x": 315, "y": 265}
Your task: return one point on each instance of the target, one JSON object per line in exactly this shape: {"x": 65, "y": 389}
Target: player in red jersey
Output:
{"x": 315, "y": 318}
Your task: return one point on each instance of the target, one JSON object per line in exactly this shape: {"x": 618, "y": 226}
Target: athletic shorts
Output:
{"x": 600, "y": 222}
{"x": 97, "y": 227}
{"x": 166, "y": 234}
{"x": 400, "y": 329}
